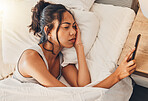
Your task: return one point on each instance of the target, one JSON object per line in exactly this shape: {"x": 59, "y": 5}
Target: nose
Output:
{"x": 73, "y": 32}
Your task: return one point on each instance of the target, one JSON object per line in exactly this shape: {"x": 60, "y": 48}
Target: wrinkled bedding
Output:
{"x": 115, "y": 23}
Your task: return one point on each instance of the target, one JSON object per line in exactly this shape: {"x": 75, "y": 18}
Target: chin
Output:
{"x": 69, "y": 46}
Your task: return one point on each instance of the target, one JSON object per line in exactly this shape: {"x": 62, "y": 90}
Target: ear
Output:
{"x": 46, "y": 30}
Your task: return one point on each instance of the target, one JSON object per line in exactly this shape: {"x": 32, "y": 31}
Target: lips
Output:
{"x": 73, "y": 40}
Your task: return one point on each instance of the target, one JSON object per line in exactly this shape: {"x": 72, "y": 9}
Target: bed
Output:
{"x": 109, "y": 35}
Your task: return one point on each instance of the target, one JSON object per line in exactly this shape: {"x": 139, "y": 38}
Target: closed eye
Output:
{"x": 66, "y": 27}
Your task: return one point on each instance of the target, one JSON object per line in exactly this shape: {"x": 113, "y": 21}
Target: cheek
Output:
{"x": 63, "y": 35}
{"x": 64, "y": 39}
{"x": 65, "y": 42}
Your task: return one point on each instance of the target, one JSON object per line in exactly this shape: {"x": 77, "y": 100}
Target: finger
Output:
{"x": 129, "y": 54}
{"x": 130, "y": 58}
{"x": 132, "y": 67}
{"x": 78, "y": 28}
{"x": 77, "y": 25}
{"x": 130, "y": 63}
{"x": 132, "y": 71}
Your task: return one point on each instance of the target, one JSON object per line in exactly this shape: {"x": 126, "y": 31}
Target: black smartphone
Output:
{"x": 136, "y": 46}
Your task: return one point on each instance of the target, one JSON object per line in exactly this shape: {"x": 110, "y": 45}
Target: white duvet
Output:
{"x": 115, "y": 23}
{"x": 13, "y": 90}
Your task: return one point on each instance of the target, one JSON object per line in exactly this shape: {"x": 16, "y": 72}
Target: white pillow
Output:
{"x": 75, "y": 4}
{"x": 89, "y": 27}
{"x": 15, "y": 33}
{"x": 111, "y": 38}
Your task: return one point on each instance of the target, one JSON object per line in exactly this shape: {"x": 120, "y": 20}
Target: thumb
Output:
{"x": 128, "y": 55}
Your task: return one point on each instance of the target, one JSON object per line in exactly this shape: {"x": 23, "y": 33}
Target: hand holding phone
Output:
{"x": 128, "y": 65}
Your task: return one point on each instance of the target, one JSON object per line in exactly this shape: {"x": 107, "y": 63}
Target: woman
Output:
{"x": 41, "y": 63}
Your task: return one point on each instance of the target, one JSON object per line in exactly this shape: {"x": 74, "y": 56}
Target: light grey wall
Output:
{"x": 124, "y": 3}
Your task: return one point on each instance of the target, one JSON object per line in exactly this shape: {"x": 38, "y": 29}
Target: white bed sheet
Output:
{"x": 13, "y": 90}
{"x": 115, "y": 23}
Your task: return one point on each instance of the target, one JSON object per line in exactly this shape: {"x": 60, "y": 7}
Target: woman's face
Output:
{"x": 67, "y": 30}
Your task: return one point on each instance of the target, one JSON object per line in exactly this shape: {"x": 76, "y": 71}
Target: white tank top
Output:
{"x": 23, "y": 79}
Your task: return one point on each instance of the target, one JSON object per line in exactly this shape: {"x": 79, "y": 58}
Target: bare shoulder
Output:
{"x": 30, "y": 61}
{"x": 29, "y": 56}
{"x": 29, "y": 53}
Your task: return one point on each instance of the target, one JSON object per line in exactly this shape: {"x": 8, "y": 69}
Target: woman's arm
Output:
{"x": 32, "y": 65}
{"x": 125, "y": 69}
{"x": 70, "y": 73}
{"x": 83, "y": 72}
{"x": 108, "y": 82}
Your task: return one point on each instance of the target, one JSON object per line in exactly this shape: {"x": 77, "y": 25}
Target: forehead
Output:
{"x": 67, "y": 17}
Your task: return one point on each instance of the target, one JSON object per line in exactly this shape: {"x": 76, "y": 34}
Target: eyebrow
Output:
{"x": 68, "y": 23}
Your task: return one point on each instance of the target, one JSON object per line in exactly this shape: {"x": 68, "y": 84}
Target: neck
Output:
{"x": 48, "y": 54}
